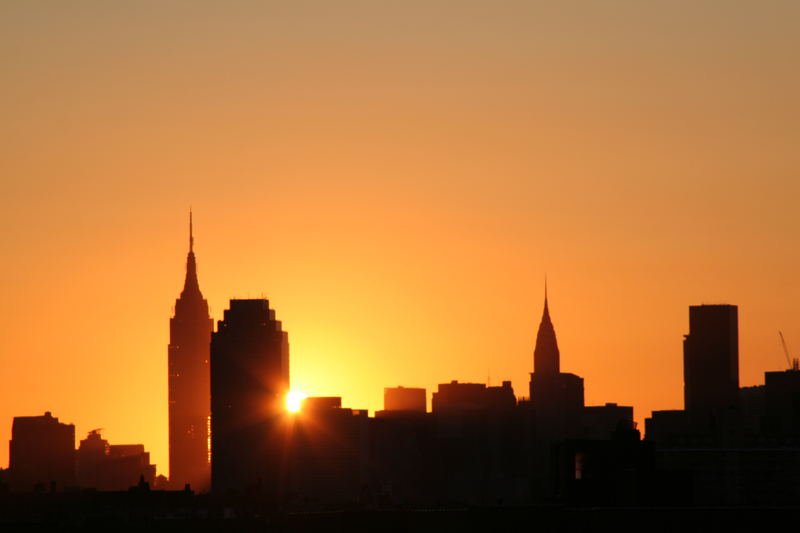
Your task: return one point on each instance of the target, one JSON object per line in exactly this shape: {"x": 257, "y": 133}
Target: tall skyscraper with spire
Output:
{"x": 189, "y": 388}
{"x": 557, "y": 397}
{"x": 546, "y": 357}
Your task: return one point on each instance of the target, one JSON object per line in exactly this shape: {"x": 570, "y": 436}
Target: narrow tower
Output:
{"x": 546, "y": 358}
{"x": 189, "y": 389}
{"x": 556, "y": 396}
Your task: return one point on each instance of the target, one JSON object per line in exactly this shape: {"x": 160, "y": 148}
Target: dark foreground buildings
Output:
{"x": 44, "y": 459}
{"x": 189, "y": 389}
{"x": 729, "y": 446}
{"x": 41, "y": 453}
{"x": 104, "y": 466}
{"x": 479, "y": 447}
{"x": 249, "y": 383}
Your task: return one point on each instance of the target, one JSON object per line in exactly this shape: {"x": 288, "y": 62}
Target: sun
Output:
{"x": 294, "y": 400}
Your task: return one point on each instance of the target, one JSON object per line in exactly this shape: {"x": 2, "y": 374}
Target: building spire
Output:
{"x": 545, "y": 295}
{"x": 191, "y": 286}
{"x": 191, "y": 235}
{"x": 546, "y": 356}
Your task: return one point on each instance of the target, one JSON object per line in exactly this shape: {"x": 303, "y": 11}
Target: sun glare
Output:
{"x": 294, "y": 400}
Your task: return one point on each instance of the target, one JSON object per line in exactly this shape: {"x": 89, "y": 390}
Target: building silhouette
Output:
{"x": 404, "y": 399}
{"x": 189, "y": 389}
{"x": 601, "y": 421}
{"x": 729, "y": 446}
{"x": 41, "y": 453}
{"x": 465, "y": 397}
{"x": 556, "y": 397}
{"x": 105, "y": 466}
{"x": 328, "y": 455}
{"x": 249, "y": 383}
{"x": 712, "y": 414}
{"x": 711, "y": 358}
{"x": 782, "y": 404}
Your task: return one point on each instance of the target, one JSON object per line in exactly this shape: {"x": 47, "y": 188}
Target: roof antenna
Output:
{"x": 191, "y": 233}
{"x": 545, "y": 291}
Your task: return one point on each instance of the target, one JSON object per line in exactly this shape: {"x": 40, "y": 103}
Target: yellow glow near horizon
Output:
{"x": 294, "y": 400}
{"x": 423, "y": 168}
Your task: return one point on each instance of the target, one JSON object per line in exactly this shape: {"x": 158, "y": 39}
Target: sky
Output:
{"x": 397, "y": 178}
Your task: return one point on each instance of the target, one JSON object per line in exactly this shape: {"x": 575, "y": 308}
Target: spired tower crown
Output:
{"x": 191, "y": 287}
{"x": 556, "y": 397}
{"x": 546, "y": 357}
{"x": 189, "y": 389}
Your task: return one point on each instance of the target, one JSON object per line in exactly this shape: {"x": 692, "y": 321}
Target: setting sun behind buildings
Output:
{"x": 294, "y": 401}
{"x": 398, "y": 193}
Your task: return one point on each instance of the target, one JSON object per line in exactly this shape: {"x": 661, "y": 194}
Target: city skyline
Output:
{"x": 544, "y": 353}
{"x": 398, "y": 180}
{"x": 478, "y": 444}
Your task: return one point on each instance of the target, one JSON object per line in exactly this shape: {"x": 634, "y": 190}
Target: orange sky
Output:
{"x": 397, "y": 178}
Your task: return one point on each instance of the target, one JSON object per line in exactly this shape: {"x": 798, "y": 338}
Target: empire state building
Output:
{"x": 189, "y": 389}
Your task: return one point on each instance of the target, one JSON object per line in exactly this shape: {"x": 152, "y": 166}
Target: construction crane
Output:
{"x": 793, "y": 363}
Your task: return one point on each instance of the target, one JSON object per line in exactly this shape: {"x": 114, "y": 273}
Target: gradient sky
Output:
{"x": 397, "y": 178}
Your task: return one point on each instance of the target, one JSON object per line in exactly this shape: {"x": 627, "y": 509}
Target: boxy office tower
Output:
{"x": 249, "y": 383}
{"x": 711, "y": 359}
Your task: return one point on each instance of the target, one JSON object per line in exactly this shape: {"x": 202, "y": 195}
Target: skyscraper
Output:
{"x": 557, "y": 397}
{"x": 711, "y": 358}
{"x": 546, "y": 357}
{"x": 189, "y": 395}
{"x": 249, "y": 383}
